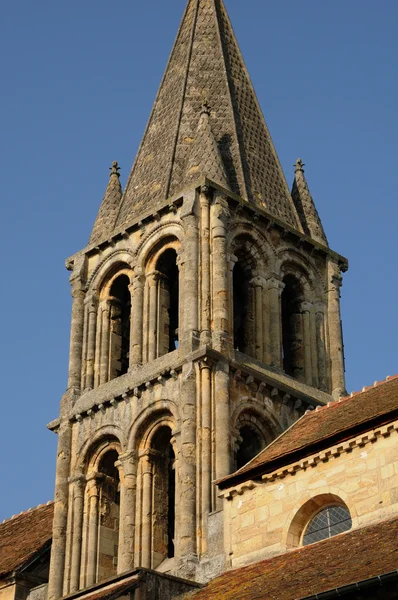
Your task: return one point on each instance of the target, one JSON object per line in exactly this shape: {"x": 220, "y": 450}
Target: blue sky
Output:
{"x": 78, "y": 82}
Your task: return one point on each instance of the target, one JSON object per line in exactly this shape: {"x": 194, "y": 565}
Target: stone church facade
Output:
{"x": 206, "y": 341}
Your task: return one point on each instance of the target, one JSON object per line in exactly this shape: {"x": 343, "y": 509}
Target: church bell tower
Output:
{"x": 205, "y": 321}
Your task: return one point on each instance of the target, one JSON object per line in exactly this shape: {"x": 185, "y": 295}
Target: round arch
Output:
{"x": 107, "y": 266}
{"x": 309, "y": 506}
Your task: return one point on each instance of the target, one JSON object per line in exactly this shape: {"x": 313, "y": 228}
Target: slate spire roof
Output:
{"x": 205, "y": 64}
{"x": 305, "y": 205}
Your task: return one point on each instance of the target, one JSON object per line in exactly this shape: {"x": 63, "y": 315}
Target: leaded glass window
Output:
{"x": 328, "y": 522}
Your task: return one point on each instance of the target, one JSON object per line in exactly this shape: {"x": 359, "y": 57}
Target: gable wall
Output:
{"x": 266, "y": 518}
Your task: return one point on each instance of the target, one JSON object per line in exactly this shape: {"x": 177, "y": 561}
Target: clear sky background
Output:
{"x": 78, "y": 79}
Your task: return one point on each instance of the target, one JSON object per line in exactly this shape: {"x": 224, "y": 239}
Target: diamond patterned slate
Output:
{"x": 206, "y": 65}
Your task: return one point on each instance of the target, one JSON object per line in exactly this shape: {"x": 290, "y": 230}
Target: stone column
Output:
{"x": 105, "y": 311}
{"x": 147, "y": 509}
{"x": 314, "y": 348}
{"x": 137, "y": 319}
{"x": 76, "y": 335}
{"x": 92, "y": 308}
{"x": 257, "y": 284}
{"x": 127, "y": 465}
{"x": 266, "y": 325}
{"x": 219, "y": 215}
{"x": 206, "y": 457}
{"x": 320, "y": 336}
{"x": 189, "y": 294}
{"x": 306, "y": 314}
{"x": 153, "y": 281}
{"x": 205, "y": 323}
{"x": 187, "y": 465}
{"x": 232, "y": 260}
{"x": 275, "y": 288}
{"x": 93, "y": 499}
{"x": 77, "y": 532}
{"x": 61, "y": 498}
{"x": 335, "y": 331}
{"x": 222, "y": 423}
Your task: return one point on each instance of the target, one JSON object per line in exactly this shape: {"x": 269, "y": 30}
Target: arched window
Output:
{"x": 244, "y": 303}
{"x": 168, "y": 302}
{"x": 109, "y": 515}
{"x": 292, "y": 328}
{"x": 251, "y": 442}
{"x": 328, "y": 522}
{"x": 254, "y": 433}
{"x": 120, "y": 309}
{"x": 164, "y": 489}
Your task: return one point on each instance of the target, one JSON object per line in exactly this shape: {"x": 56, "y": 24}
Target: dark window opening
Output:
{"x": 164, "y": 497}
{"x": 252, "y": 442}
{"x": 292, "y": 338}
{"x": 120, "y": 326}
{"x": 169, "y": 302}
{"x": 329, "y": 522}
{"x": 108, "y": 541}
{"x": 243, "y": 310}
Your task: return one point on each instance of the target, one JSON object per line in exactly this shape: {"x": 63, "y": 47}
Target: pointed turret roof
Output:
{"x": 305, "y": 206}
{"x": 110, "y": 205}
{"x": 205, "y": 159}
{"x": 205, "y": 63}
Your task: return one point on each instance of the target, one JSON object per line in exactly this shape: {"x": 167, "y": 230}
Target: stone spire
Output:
{"x": 206, "y": 63}
{"x": 305, "y": 206}
{"x": 205, "y": 158}
{"x": 109, "y": 207}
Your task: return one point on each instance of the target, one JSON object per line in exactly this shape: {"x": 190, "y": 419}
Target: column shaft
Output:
{"x": 146, "y": 527}
{"x": 222, "y": 423}
{"x": 335, "y": 331}
{"x": 137, "y": 320}
{"x": 76, "y": 336}
{"x": 306, "y": 308}
{"x": 105, "y": 341}
{"x": 128, "y": 478}
{"x": 314, "y": 349}
{"x": 77, "y": 534}
{"x": 57, "y": 565}
{"x": 206, "y": 458}
{"x": 190, "y": 283}
{"x": 320, "y": 334}
{"x": 93, "y": 531}
{"x": 153, "y": 316}
{"x": 91, "y": 338}
{"x": 205, "y": 268}
{"x": 258, "y": 318}
{"x": 220, "y": 293}
{"x": 275, "y": 287}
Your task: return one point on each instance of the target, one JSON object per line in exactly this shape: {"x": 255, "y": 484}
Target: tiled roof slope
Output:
{"x": 206, "y": 64}
{"x": 325, "y": 425}
{"x": 24, "y": 535}
{"x": 344, "y": 559}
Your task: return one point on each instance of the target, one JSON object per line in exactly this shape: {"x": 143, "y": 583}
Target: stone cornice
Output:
{"x": 158, "y": 372}
{"x": 171, "y": 204}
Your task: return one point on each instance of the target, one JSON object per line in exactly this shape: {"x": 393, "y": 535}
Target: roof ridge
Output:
{"x": 341, "y": 399}
{"x": 25, "y": 512}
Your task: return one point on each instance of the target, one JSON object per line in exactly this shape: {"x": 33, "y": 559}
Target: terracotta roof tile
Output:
{"x": 345, "y": 559}
{"x": 326, "y": 425}
{"x": 24, "y": 535}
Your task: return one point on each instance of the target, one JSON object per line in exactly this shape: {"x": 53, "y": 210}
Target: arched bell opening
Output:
{"x": 244, "y": 303}
{"x": 250, "y": 443}
{"x": 109, "y": 516}
{"x": 119, "y": 343}
{"x": 292, "y": 328}
{"x": 168, "y": 302}
{"x": 164, "y": 492}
